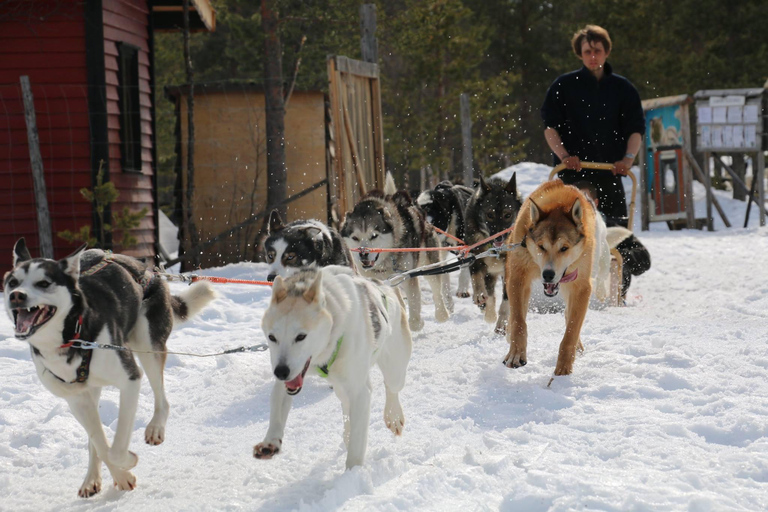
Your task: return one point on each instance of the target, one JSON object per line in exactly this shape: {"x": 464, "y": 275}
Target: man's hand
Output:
{"x": 622, "y": 167}
{"x": 572, "y": 162}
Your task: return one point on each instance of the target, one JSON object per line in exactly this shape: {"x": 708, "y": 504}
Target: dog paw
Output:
{"x": 514, "y": 361}
{"x": 154, "y": 434}
{"x": 442, "y": 315}
{"x": 563, "y": 369}
{"x": 124, "y": 461}
{"x": 480, "y": 300}
{"x": 416, "y": 324}
{"x": 394, "y": 418}
{"x": 462, "y": 294}
{"x": 124, "y": 480}
{"x": 91, "y": 486}
{"x": 266, "y": 450}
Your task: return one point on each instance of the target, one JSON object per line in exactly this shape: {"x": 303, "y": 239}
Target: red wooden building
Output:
{"x": 90, "y": 64}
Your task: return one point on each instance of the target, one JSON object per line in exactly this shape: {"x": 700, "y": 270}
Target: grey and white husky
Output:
{"x": 339, "y": 324}
{"x": 109, "y": 299}
{"x": 390, "y": 220}
{"x": 302, "y": 243}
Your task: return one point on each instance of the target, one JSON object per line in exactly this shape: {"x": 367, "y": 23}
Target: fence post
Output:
{"x": 38, "y": 179}
{"x": 466, "y": 139}
{"x": 369, "y": 46}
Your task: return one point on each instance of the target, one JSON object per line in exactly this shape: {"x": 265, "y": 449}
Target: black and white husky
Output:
{"x": 108, "y": 299}
{"x": 444, "y": 208}
{"x": 302, "y": 243}
{"x": 390, "y": 220}
{"x": 492, "y": 209}
{"x": 338, "y": 324}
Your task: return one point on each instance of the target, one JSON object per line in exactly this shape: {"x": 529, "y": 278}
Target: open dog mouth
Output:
{"x": 292, "y": 387}
{"x": 551, "y": 289}
{"x": 498, "y": 242}
{"x": 368, "y": 259}
{"x": 28, "y": 320}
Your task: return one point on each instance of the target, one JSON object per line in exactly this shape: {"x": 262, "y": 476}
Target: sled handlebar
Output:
{"x": 605, "y": 167}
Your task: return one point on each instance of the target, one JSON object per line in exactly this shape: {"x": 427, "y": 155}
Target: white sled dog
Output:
{"x": 108, "y": 299}
{"x": 338, "y": 324}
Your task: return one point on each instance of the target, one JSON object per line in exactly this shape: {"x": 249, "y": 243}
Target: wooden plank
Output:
{"x": 10, "y": 138}
{"x": 710, "y": 196}
{"x": 43, "y": 214}
{"x": 357, "y": 67}
{"x": 42, "y": 61}
{"x": 115, "y": 34}
{"x": 378, "y": 132}
{"x": 17, "y": 33}
{"x": 466, "y": 139}
{"x": 43, "y": 76}
{"x": 49, "y": 45}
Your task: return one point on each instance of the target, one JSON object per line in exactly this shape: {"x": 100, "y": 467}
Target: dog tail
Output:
{"x": 189, "y": 302}
{"x": 616, "y": 234}
{"x": 389, "y": 185}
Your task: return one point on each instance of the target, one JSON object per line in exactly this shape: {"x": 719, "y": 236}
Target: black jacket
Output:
{"x": 594, "y": 120}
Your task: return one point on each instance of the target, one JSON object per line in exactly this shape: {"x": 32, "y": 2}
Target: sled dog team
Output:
{"x": 330, "y": 312}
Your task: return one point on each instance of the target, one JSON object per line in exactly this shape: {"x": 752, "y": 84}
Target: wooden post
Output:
{"x": 369, "y": 46}
{"x": 711, "y": 199}
{"x": 685, "y": 128}
{"x": 758, "y": 173}
{"x": 38, "y": 178}
{"x": 707, "y": 181}
{"x": 466, "y": 139}
{"x": 644, "y": 203}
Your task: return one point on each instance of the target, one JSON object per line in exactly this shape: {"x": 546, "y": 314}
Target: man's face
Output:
{"x": 593, "y": 55}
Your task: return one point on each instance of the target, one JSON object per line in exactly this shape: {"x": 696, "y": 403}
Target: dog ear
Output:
{"x": 535, "y": 213}
{"x": 279, "y": 292}
{"x": 20, "y": 252}
{"x": 577, "y": 212}
{"x": 483, "y": 187}
{"x": 275, "y": 222}
{"x": 512, "y": 185}
{"x": 313, "y": 292}
{"x": 71, "y": 264}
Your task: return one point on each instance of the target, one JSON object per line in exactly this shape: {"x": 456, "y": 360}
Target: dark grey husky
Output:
{"x": 491, "y": 209}
{"x": 109, "y": 299}
{"x": 444, "y": 208}
{"x": 301, "y": 244}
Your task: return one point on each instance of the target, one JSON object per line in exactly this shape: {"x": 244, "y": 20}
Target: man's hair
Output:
{"x": 592, "y": 34}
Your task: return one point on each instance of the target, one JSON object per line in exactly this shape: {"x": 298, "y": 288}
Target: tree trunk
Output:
{"x": 277, "y": 183}
{"x": 194, "y": 237}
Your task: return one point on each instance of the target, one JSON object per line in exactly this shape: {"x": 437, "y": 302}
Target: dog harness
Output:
{"x": 323, "y": 370}
{"x": 85, "y": 365}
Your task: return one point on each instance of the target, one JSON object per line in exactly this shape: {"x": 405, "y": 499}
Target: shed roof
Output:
{"x": 169, "y": 15}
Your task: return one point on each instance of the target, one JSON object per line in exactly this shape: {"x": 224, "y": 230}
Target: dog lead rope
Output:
{"x": 91, "y": 345}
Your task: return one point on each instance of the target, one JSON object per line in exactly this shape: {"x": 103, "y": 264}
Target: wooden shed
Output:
{"x": 90, "y": 64}
{"x": 230, "y": 163}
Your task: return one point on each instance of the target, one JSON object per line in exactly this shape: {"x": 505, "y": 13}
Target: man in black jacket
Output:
{"x": 595, "y": 115}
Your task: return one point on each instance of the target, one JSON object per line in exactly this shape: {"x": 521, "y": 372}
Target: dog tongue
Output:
{"x": 25, "y": 320}
{"x": 295, "y": 383}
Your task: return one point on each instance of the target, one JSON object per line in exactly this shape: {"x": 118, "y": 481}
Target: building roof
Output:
{"x": 169, "y": 15}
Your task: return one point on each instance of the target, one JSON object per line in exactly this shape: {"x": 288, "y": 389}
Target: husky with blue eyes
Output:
{"x": 390, "y": 220}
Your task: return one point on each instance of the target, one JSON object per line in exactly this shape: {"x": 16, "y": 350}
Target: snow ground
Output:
{"x": 667, "y": 409}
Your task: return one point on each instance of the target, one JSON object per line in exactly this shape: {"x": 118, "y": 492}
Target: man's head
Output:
{"x": 592, "y": 45}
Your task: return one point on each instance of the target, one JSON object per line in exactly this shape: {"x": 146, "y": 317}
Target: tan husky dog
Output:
{"x": 556, "y": 230}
